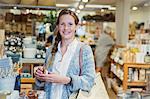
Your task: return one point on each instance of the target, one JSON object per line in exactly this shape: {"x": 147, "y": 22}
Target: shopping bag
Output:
{"x": 98, "y": 91}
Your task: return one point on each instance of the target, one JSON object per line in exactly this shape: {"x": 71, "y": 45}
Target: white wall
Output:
{"x": 141, "y": 15}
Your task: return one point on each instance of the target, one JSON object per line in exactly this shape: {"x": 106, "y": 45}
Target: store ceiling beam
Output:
{"x": 5, "y": 6}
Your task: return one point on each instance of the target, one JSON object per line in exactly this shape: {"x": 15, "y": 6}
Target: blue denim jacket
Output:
{"x": 85, "y": 81}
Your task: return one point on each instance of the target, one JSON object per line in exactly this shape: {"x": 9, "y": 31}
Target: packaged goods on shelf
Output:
{"x": 130, "y": 71}
{"x": 2, "y": 36}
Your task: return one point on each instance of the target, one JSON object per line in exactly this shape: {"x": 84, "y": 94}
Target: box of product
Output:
{"x": 2, "y": 36}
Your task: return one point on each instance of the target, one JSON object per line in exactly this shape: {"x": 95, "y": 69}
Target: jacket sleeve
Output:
{"x": 86, "y": 80}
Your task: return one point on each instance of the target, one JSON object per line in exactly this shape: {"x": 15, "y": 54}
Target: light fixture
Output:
{"x": 102, "y": 10}
{"x": 78, "y": 11}
{"x": 146, "y": 4}
{"x": 85, "y": 1}
{"x": 27, "y": 11}
{"x": 73, "y": 9}
{"x": 112, "y": 8}
{"x": 97, "y": 6}
{"x": 84, "y": 22}
{"x": 62, "y": 5}
{"x": 134, "y": 8}
{"x": 15, "y": 8}
{"x": 81, "y": 6}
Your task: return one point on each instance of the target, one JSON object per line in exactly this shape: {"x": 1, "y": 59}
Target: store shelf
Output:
{"x": 138, "y": 83}
{"x": 137, "y": 65}
{"x": 126, "y": 66}
{"x": 34, "y": 61}
{"x": 27, "y": 80}
{"x": 30, "y": 64}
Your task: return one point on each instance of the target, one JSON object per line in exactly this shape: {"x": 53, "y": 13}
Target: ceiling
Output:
{"x": 75, "y": 3}
{"x": 92, "y": 4}
{"x": 31, "y": 4}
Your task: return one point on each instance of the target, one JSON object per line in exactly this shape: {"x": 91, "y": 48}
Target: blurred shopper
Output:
{"x": 104, "y": 44}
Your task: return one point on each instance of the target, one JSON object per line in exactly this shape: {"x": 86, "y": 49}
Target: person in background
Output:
{"x": 62, "y": 73}
{"x": 103, "y": 45}
{"x": 141, "y": 28}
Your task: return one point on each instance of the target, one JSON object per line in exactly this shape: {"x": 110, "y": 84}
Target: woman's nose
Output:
{"x": 65, "y": 27}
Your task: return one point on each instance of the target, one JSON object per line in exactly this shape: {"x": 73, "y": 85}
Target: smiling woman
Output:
{"x": 63, "y": 74}
{"x": 67, "y": 27}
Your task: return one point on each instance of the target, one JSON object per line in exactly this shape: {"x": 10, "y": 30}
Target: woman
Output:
{"x": 62, "y": 61}
{"x": 104, "y": 44}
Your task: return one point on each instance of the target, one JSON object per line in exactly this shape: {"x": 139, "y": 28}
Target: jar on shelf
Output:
{"x": 147, "y": 58}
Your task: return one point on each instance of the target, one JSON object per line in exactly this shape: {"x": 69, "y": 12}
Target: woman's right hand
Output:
{"x": 39, "y": 72}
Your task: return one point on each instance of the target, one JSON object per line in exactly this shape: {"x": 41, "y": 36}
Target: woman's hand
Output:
{"x": 50, "y": 77}
{"x": 39, "y": 73}
{"x": 56, "y": 78}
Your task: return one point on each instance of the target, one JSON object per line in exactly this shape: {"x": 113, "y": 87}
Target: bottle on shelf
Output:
{"x": 147, "y": 58}
{"x": 136, "y": 75}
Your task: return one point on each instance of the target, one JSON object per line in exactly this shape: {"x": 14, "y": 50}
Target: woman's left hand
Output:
{"x": 56, "y": 78}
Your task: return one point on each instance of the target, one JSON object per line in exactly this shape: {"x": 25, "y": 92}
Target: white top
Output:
{"x": 60, "y": 66}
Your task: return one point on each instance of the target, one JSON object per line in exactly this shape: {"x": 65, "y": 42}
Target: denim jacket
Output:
{"x": 85, "y": 81}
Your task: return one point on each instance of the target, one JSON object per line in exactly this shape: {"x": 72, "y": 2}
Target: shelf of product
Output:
{"x": 131, "y": 74}
{"x": 125, "y": 67}
{"x": 27, "y": 80}
{"x": 28, "y": 68}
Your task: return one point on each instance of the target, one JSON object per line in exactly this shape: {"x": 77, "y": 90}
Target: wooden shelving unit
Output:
{"x": 30, "y": 63}
{"x": 27, "y": 80}
{"x": 125, "y": 67}
{"x": 28, "y": 83}
{"x": 125, "y": 78}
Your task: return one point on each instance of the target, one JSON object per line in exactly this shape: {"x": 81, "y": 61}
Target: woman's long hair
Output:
{"x": 58, "y": 36}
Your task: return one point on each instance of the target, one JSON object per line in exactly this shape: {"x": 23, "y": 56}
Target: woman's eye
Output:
{"x": 62, "y": 24}
{"x": 70, "y": 24}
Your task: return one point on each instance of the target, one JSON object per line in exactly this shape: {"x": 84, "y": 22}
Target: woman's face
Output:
{"x": 67, "y": 27}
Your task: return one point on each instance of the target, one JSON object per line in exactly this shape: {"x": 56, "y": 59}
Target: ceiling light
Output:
{"x": 78, "y": 11}
{"x": 73, "y": 9}
{"x": 134, "y": 8}
{"x": 15, "y": 7}
{"x": 85, "y": 1}
{"x": 62, "y": 5}
{"x": 27, "y": 11}
{"x": 97, "y": 6}
{"x": 84, "y": 22}
{"x": 81, "y": 6}
{"x": 102, "y": 10}
{"x": 112, "y": 8}
{"x": 146, "y": 4}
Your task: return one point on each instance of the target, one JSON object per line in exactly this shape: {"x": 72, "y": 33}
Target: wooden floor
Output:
{"x": 111, "y": 93}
